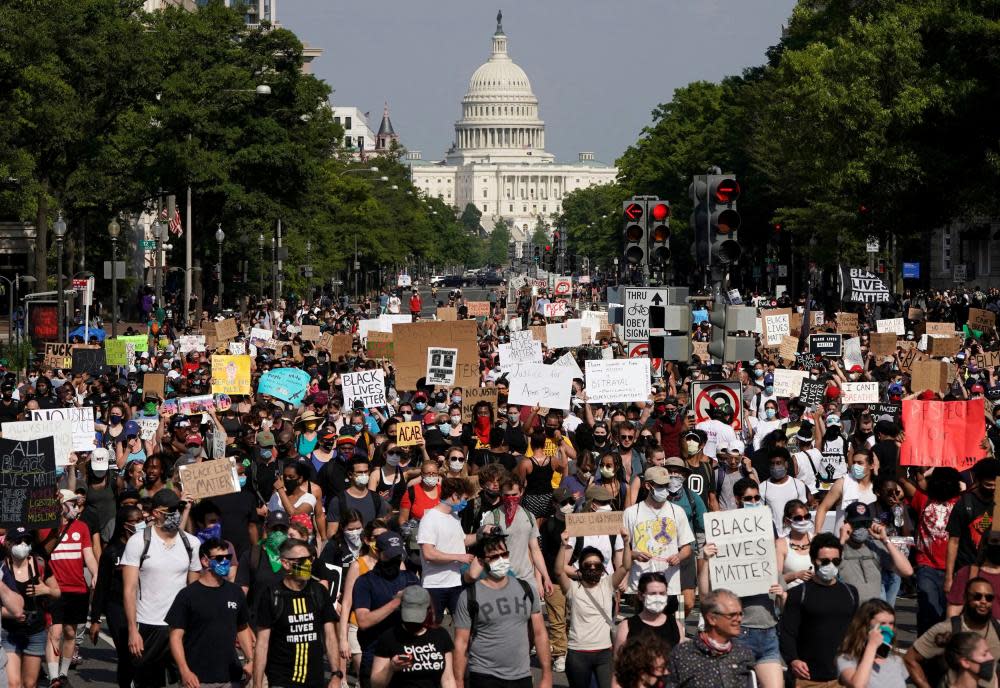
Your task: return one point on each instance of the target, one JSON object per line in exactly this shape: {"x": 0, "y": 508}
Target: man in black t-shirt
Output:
{"x": 971, "y": 519}
{"x": 297, "y": 624}
{"x": 206, "y": 618}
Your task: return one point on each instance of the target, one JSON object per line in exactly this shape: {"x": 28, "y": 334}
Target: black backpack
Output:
{"x": 473, "y": 603}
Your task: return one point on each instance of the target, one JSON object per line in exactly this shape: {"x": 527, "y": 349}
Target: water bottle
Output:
{"x": 897, "y": 516}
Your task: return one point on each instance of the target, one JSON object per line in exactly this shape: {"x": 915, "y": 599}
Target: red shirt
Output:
{"x": 421, "y": 500}
{"x": 932, "y": 530}
{"x": 415, "y": 303}
{"x": 66, "y": 562}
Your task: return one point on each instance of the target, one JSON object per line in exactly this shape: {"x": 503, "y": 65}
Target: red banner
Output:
{"x": 943, "y": 433}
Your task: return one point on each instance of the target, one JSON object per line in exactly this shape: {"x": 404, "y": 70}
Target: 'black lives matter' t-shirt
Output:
{"x": 210, "y": 618}
{"x": 426, "y": 650}
{"x": 295, "y": 649}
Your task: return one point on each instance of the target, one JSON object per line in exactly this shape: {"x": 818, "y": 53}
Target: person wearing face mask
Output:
{"x": 762, "y": 427}
{"x": 340, "y": 552}
{"x": 668, "y": 427}
{"x": 829, "y": 439}
{"x": 657, "y": 620}
{"x": 816, "y": 616}
{"x": 970, "y": 661}
{"x": 416, "y": 652}
{"x": 968, "y": 521}
{"x": 648, "y": 521}
{"x": 514, "y": 437}
{"x": 443, "y": 545}
{"x": 611, "y": 547}
{"x": 550, "y": 535}
{"x": 422, "y": 494}
{"x": 793, "y": 549}
{"x": 377, "y": 597}
{"x": 260, "y": 566}
{"x": 297, "y": 626}
{"x": 161, "y": 561}
{"x": 688, "y": 501}
{"x": 357, "y": 497}
{"x": 758, "y": 405}
{"x": 856, "y": 486}
{"x": 868, "y": 553}
{"x": 718, "y": 429}
{"x": 207, "y": 619}
{"x": 493, "y": 647}
{"x": 780, "y": 487}
{"x": 389, "y": 481}
{"x": 733, "y": 467}
{"x": 306, "y": 435}
{"x": 701, "y": 477}
{"x": 10, "y": 408}
{"x": 25, "y": 636}
{"x": 590, "y": 596}
{"x": 976, "y": 617}
{"x": 862, "y": 660}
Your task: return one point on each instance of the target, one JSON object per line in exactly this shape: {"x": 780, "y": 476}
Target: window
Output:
{"x": 361, "y": 142}
{"x": 347, "y": 142}
{"x": 946, "y": 250}
{"x": 336, "y": 120}
{"x": 543, "y": 209}
{"x": 484, "y": 193}
{"x": 983, "y": 257}
{"x": 484, "y": 207}
{"x": 524, "y": 209}
{"x": 511, "y": 208}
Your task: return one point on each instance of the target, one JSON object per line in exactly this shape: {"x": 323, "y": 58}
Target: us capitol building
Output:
{"x": 498, "y": 160}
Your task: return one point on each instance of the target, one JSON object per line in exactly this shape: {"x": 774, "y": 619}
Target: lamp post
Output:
{"x": 308, "y": 271}
{"x": 260, "y": 266}
{"x": 60, "y": 231}
{"x": 158, "y": 263}
{"x": 220, "y": 236}
{"x": 114, "y": 229}
{"x": 274, "y": 271}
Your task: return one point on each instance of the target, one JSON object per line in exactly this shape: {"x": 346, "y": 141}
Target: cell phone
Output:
{"x": 883, "y": 651}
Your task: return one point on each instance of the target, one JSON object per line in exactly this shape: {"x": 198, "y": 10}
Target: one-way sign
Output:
{"x": 636, "y": 316}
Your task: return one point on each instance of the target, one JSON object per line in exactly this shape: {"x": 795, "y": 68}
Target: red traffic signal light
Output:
{"x": 727, "y": 191}
{"x": 660, "y": 212}
{"x": 548, "y": 248}
{"x": 633, "y": 211}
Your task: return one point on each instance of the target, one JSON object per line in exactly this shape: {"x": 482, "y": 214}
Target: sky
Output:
{"x": 597, "y": 67}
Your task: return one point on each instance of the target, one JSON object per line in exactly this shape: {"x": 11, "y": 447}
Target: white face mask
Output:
{"x": 20, "y": 551}
{"x": 456, "y": 420}
{"x": 361, "y": 480}
{"x": 430, "y": 480}
{"x": 692, "y": 447}
{"x": 567, "y": 508}
{"x": 456, "y": 465}
{"x": 603, "y": 507}
{"x": 407, "y": 417}
{"x": 353, "y": 537}
{"x": 676, "y": 483}
{"x": 655, "y": 603}
{"x": 499, "y": 567}
{"x": 607, "y": 472}
{"x": 801, "y": 526}
{"x": 660, "y": 494}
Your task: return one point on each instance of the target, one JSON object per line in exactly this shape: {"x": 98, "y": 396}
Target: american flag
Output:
{"x": 175, "y": 223}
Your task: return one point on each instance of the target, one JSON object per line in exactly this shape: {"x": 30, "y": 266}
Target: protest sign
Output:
{"x": 700, "y": 349}
{"x": 62, "y": 435}
{"x": 473, "y": 395}
{"x": 261, "y": 338}
{"x": 982, "y": 320}
{"x": 894, "y": 325}
{"x": 555, "y": 309}
{"x": 80, "y": 420}
{"x": 477, "y": 309}
{"x": 153, "y": 385}
{"x": 409, "y": 434}
{"x": 226, "y": 330}
{"x": 817, "y": 318}
{"x": 412, "y": 341}
{"x": 447, "y": 313}
{"x": 615, "y": 380}
{"x": 932, "y": 375}
{"x": 568, "y": 360}
{"x": 887, "y": 411}
{"x": 310, "y": 333}
{"x": 210, "y": 478}
{"x": 524, "y": 350}
{"x": 287, "y": 384}
{"x": 852, "y": 353}
{"x": 58, "y": 355}
{"x": 28, "y": 495}
{"x": 191, "y": 342}
{"x": 88, "y": 359}
{"x": 365, "y": 387}
{"x": 812, "y": 392}
{"x": 538, "y": 333}
{"x": 943, "y": 433}
{"x": 201, "y": 403}
{"x": 862, "y": 286}
{"x": 441, "y": 365}
{"x": 237, "y": 348}
{"x": 115, "y": 353}
{"x": 829, "y": 345}
{"x": 987, "y": 359}
{"x": 944, "y": 328}
{"x": 564, "y": 335}
{"x": 231, "y": 375}
{"x": 858, "y": 393}
{"x": 341, "y": 344}
{"x": 944, "y": 346}
{"x": 788, "y": 348}
{"x": 882, "y": 343}
{"x": 594, "y": 523}
{"x": 140, "y": 341}
{"x": 910, "y": 357}
{"x": 776, "y": 324}
{"x": 847, "y": 323}
{"x": 147, "y": 427}
{"x": 537, "y": 384}
{"x": 379, "y": 344}
{"x": 788, "y": 383}
{"x": 745, "y": 562}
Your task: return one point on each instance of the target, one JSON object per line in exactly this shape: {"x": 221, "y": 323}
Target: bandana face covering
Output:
{"x": 302, "y": 570}
{"x": 483, "y": 429}
{"x": 509, "y": 503}
{"x": 271, "y": 544}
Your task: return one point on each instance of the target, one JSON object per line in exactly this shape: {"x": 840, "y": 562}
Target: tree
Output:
{"x": 471, "y": 218}
{"x": 590, "y": 219}
{"x": 497, "y": 248}
{"x": 540, "y": 235}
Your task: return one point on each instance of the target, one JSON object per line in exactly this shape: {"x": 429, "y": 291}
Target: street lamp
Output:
{"x": 220, "y": 236}
{"x": 60, "y": 231}
{"x": 114, "y": 229}
{"x": 308, "y": 271}
{"x": 158, "y": 262}
{"x": 260, "y": 266}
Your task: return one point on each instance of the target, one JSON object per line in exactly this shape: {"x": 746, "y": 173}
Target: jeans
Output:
{"x": 555, "y": 609}
{"x": 583, "y": 667}
{"x": 444, "y": 598}
{"x": 488, "y": 681}
{"x": 762, "y": 642}
{"x": 890, "y": 586}
{"x": 931, "y": 603}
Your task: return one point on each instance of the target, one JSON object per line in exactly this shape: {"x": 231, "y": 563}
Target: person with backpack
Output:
{"x": 976, "y": 617}
{"x": 417, "y": 652}
{"x": 610, "y": 546}
{"x": 155, "y": 567}
{"x": 297, "y": 626}
{"x": 688, "y": 501}
{"x": 357, "y": 497}
{"x": 260, "y": 566}
{"x": 443, "y": 543}
{"x": 491, "y": 618}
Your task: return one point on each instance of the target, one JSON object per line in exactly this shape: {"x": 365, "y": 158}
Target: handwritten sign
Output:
{"x": 943, "y": 328}
{"x": 555, "y": 309}
{"x": 409, "y": 434}
{"x": 261, "y": 338}
{"x": 379, "y": 344}
{"x": 568, "y": 360}
{"x": 987, "y": 359}
{"x": 478, "y": 309}
{"x": 226, "y": 330}
{"x": 231, "y": 375}
{"x": 147, "y": 427}
{"x": 980, "y": 319}
{"x": 473, "y": 395}
{"x": 310, "y": 333}
{"x": 859, "y": 393}
{"x": 788, "y": 383}
{"x": 88, "y": 360}
{"x": 777, "y": 324}
{"x": 883, "y": 343}
{"x": 788, "y": 348}
{"x": 365, "y": 386}
{"x": 538, "y": 384}
{"x": 24, "y": 430}
{"x": 944, "y": 346}
{"x": 191, "y": 342}
{"x": 28, "y": 494}
{"x": 943, "y": 433}
{"x": 594, "y": 523}
{"x": 894, "y": 325}
{"x": 238, "y": 348}
{"x": 287, "y": 384}
{"x": 58, "y": 355}
{"x": 567, "y": 334}
{"x": 745, "y": 562}
{"x": 81, "y": 420}
{"x": 522, "y": 348}
{"x": 615, "y": 380}
{"x": 847, "y": 323}
{"x": 210, "y": 478}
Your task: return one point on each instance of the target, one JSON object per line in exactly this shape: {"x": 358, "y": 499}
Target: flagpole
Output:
{"x": 187, "y": 260}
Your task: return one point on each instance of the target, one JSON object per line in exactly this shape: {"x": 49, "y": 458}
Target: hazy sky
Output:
{"x": 597, "y": 67}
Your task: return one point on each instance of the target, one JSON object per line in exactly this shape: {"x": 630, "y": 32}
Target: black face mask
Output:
{"x": 600, "y": 440}
{"x": 550, "y": 432}
{"x": 670, "y": 416}
{"x": 389, "y": 569}
{"x": 491, "y": 496}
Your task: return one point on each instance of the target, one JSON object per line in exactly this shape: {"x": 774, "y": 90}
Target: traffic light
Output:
{"x": 511, "y": 251}
{"x": 538, "y": 254}
{"x": 658, "y": 222}
{"x": 726, "y": 347}
{"x": 669, "y": 332}
{"x": 701, "y": 248}
{"x": 635, "y": 232}
{"x": 723, "y": 218}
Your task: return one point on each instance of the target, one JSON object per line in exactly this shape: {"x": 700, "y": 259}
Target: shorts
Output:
{"x": 70, "y": 608}
{"x": 689, "y": 573}
{"x": 31, "y": 644}
{"x": 352, "y": 639}
{"x": 762, "y": 642}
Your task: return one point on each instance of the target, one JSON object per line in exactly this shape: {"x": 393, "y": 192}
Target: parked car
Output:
{"x": 491, "y": 278}
{"x": 452, "y": 281}
{"x": 436, "y": 280}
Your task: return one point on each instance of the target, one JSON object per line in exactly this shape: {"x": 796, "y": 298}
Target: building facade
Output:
{"x": 498, "y": 160}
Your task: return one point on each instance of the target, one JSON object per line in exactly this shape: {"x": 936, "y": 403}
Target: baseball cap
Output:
{"x": 194, "y": 440}
{"x": 67, "y": 496}
{"x": 345, "y": 440}
{"x": 856, "y": 369}
{"x": 132, "y": 428}
{"x": 277, "y": 518}
{"x": 657, "y": 475}
{"x": 598, "y": 492}
{"x": 977, "y": 389}
{"x": 416, "y": 602}
{"x": 858, "y": 513}
{"x": 99, "y": 460}
{"x": 391, "y": 545}
{"x": 265, "y": 438}
{"x": 561, "y": 494}
{"x": 769, "y": 379}
{"x": 805, "y": 433}
{"x": 166, "y": 499}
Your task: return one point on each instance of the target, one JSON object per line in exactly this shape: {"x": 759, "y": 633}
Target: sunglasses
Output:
{"x": 457, "y": 458}
{"x": 799, "y": 519}
{"x": 220, "y": 558}
{"x": 824, "y": 561}
{"x": 497, "y": 555}
{"x": 980, "y": 596}
{"x": 752, "y": 500}
{"x": 732, "y": 616}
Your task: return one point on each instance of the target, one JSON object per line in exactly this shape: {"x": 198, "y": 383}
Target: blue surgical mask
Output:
{"x": 758, "y": 373}
{"x": 243, "y": 481}
{"x": 445, "y": 428}
{"x": 456, "y": 509}
{"x": 456, "y": 399}
{"x": 770, "y": 413}
{"x": 357, "y": 427}
{"x": 221, "y": 569}
{"x": 266, "y": 453}
{"x": 768, "y": 390}
{"x": 420, "y": 406}
{"x": 857, "y": 471}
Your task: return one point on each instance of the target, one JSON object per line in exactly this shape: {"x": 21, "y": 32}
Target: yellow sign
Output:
{"x": 230, "y": 375}
{"x": 408, "y": 434}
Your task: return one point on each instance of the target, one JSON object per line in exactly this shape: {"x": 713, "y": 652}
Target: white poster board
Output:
{"x": 569, "y": 361}
{"x": 441, "y": 365}
{"x": 81, "y": 420}
{"x": 368, "y": 386}
{"x": 788, "y": 383}
{"x": 894, "y": 325}
{"x": 537, "y": 384}
{"x": 564, "y": 335}
{"x": 852, "y": 353}
{"x": 61, "y": 434}
{"x": 619, "y": 379}
{"x": 777, "y": 326}
{"x": 858, "y": 393}
{"x": 745, "y": 562}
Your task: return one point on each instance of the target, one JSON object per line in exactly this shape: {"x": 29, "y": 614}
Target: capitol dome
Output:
{"x": 499, "y": 76}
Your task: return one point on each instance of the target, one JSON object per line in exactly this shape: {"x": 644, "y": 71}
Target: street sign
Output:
{"x": 637, "y": 304}
{"x": 911, "y": 270}
{"x": 706, "y": 395}
{"x": 782, "y": 271}
{"x": 149, "y": 244}
{"x": 641, "y": 350}
{"x": 871, "y": 245}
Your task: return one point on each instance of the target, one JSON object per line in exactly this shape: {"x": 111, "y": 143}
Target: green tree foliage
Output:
{"x": 471, "y": 218}
{"x": 591, "y": 219}
{"x": 496, "y": 252}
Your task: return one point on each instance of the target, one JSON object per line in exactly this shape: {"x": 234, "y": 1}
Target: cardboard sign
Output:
{"x": 911, "y": 356}
{"x": 788, "y": 348}
{"x": 812, "y": 392}
{"x": 116, "y": 353}
{"x": 87, "y": 359}
{"x": 980, "y": 319}
{"x": 58, "y": 355}
{"x": 847, "y": 323}
{"x": 594, "y": 523}
{"x": 340, "y": 344}
{"x": 231, "y": 375}
{"x": 81, "y": 420}
{"x": 364, "y": 386}
{"x": 226, "y": 330}
{"x": 940, "y": 347}
{"x": 538, "y": 333}
{"x": 287, "y": 384}
{"x": 894, "y": 325}
{"x": 745, "y": 562}
{"x": 543, "y": 385}
{"x": 777, "y": 323}
{"x": 700, "y": 349}
{"x": 261, "y": 338}
{"x": 409, "y": 434}
{"x": 210, "y": 478}
{"x": 310, "y": 333}
{"x": 943, "y": 433}
{"x": 617, "y": 380}
{"x": 858, "y": 393}
{"x": 441, "y": 365}
{"x": 61, "y": 434}
{"x": 447, "y": 313}
{"x": 942, "y": 328}
{"x": 882, "y": 343}
{"x": 987, "y": 359}
{"x": 932, "y": 375}
{"x": 473, "y": 395}
{"x": 555, "y": 309}
{"x": 830, "y": 345}
{"x": 413, "y": 340}
{"x": 788, "y": 383}
{"x": 153, "y": 385}
{"x": 147, "y": 427}
{"x": 379, "y": 344}
{"x": 914, "y": 314}
{"x": 191, "y": 342}
{"x": 28, "y": 484}
{"x": 478, "y": 309}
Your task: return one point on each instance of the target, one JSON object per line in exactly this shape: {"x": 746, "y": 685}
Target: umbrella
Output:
{"x": 92, "y": 332}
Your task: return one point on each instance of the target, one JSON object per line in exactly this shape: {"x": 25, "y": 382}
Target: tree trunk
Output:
{"x": 42, "y": 235}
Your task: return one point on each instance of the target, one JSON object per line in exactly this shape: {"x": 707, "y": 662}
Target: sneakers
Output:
{"x": 76, "y": 661}
{"x": 59, "y": 682}
{"x": 559, "y": 664}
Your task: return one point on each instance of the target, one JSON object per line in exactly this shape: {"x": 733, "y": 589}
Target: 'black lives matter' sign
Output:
{"x": 28, "y": 484}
